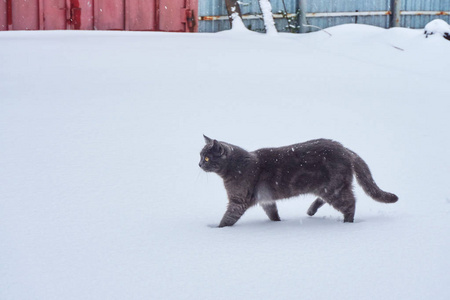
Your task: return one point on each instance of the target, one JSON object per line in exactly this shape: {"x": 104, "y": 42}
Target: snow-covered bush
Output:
{"x": 439, "y": 27}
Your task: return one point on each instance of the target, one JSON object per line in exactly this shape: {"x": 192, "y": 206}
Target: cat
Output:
{"x": 321, "y": 167}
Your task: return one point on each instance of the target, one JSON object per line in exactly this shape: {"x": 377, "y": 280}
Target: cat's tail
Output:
{"x": 365, "y": 179}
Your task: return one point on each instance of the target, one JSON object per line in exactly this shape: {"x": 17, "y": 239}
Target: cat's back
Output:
{"x": 312, "y": 148}
{"x": 316, "y": 145}
{"x": 300, "y": 168}
{"x": 316, "y": 156}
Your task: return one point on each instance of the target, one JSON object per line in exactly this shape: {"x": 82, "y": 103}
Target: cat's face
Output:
{"x": 212, "y": 156}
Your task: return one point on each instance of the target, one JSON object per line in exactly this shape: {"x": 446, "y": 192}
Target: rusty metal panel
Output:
{"x": 24, "y": 15}
{"x": 109, "y": 14}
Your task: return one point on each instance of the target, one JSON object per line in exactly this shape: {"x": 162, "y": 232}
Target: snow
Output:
{"x": 101, "y": 196}
{"x": 439, "y": 27}
{"x": 269, "y": 23}
{"x": 237, "y": 23}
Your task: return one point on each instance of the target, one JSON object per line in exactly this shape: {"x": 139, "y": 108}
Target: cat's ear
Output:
{"x": 218, "y": 148}
{"x": 207, "y": 139}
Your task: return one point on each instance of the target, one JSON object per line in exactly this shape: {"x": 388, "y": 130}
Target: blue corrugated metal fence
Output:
{"x": 326, "y": 13}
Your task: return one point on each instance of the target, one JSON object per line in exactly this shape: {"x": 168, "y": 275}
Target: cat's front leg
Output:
{"x": 271, "y": 211}
{"x": 233, "y": 213}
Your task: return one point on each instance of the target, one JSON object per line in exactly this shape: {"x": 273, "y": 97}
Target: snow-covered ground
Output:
{"x": 101, "y": 196}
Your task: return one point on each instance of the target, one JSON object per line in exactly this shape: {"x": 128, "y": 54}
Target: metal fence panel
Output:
{"x": 419, "y": 21}
{"x": 316, "y": 6}
{"x": 216, "y": 8}
{"x": 382, "y": 8}
{"x": 347, "y": 5}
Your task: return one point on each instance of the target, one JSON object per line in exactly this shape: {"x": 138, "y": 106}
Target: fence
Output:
{"x": 327, "y": 13}
{"x": 151, "y": 15}
{"x": 211, "y": 15}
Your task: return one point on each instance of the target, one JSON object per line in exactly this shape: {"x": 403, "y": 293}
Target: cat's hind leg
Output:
{"x": 271, "y": 211}
{"x": 344, "y": 201}
{"x": 318, "y": 203}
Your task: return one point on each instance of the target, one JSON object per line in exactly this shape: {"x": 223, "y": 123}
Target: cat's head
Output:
{"x": 213, "y": 156}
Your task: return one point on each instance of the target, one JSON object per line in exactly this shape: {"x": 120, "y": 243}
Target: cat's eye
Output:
{"x": 206, "y": 158}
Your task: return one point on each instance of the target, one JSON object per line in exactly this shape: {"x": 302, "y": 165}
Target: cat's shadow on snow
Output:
{"x": 328, "y": 221}
{"x": 306, "y": 222}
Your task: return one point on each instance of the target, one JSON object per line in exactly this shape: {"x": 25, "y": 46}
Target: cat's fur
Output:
{"x": 321, "y": 167}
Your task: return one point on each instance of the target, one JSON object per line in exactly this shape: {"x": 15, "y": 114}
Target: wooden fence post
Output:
{"x": 395, "y": 13}
{"x": 232, "y": 7}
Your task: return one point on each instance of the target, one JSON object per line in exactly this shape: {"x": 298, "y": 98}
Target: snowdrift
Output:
{"x": 101, "y": 196}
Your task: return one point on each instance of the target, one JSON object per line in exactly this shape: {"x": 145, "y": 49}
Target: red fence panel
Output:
{"x": 66, "y": 14}
{"x": 170, "y": 15}
{"x": 3, "y": 15}
{"x": 158, "y": 15}
{"x": 177, "y": 15}
{"x": 141, "y": 15}
{"x": 109, "y": 14}
{"x": 24, "y": 14}
{"x": 82, "y": 14}
{"x": 55, "y": 14}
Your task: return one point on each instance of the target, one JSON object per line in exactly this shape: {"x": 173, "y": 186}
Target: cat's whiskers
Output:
{"x": 200, "y": 172}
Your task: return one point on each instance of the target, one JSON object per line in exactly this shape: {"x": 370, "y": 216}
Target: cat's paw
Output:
{"x": 311, "y": 212}
{"x": 213, "y": 226}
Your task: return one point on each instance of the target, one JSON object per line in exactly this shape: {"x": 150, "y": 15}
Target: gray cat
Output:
{"x": 321, "y": 167}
